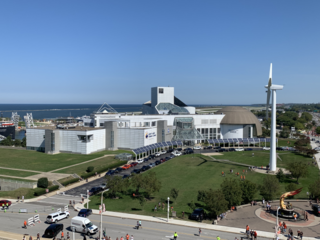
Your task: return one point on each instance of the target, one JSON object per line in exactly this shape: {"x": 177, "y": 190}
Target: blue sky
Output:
{"x": 212, "y": 52}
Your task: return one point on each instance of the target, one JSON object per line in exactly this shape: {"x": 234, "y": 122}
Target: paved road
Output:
{"x": 12, "y": 221}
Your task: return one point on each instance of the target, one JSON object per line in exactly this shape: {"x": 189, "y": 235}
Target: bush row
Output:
{"x": 67, "y": 182}
{"x": 41, "y": 191}
{"x": 100, "y": 170}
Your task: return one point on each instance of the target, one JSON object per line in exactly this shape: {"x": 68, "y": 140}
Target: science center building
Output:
{"x": 164, "y": 119}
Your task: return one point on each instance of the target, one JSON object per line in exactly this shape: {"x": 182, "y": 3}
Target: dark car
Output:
{"x": 136, "y": 171}
{"x": 117, "y": 170}
{"x": 134, "y": 164}
{"x": 145, "y": 159}
{"x": 94, "y": 190}
{"x": 232, "y": 149}
{"x": 179, "y": 149}
{"x": 197, "y": 214}
{"x": 125, "y": 176}
{"x": 157, "y": 162}
{"x": 85, "y": 212}
{"x": 167, "y": 158}
{"x": 279, "y": 148}
{"x": 316, "y": 209}
{"x": 217, "y": 147}
{"x": 144, "y": 168}
{"x": 53, "y": 230}
{"x": 169, "y": 150}
{"x": 188, "y": 151}
{"x": 207, "y": 147}
{"x": 248, "y": 149}
{"x": 110, "y": 173}
{"x": 152, "y": 156}
{"x": 222, "y": 150}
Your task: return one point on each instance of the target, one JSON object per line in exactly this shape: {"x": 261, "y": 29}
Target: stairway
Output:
{"x": 55, "y": 182}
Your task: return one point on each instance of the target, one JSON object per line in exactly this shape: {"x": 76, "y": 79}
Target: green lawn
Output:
{"x": 190, "y": 174}
{"x": 16, "y": 173}
{"x": 32, "y": 160}
{"x": 100, "y": 163}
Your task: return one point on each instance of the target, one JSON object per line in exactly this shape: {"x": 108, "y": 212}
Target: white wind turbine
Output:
{"x": 270, "y": 86}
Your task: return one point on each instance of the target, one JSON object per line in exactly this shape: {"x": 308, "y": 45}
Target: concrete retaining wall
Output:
{"x": 10, "y": 185}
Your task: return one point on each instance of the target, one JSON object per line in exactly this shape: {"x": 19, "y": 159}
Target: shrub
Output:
{"x": 70, "y": 181}
{"x": 53, "y": 188}
{"x": 100, "y": 170}
{"x": 39, "y": 191}
{"x": 43, "y": 182}
{"x": 90, "y": 169}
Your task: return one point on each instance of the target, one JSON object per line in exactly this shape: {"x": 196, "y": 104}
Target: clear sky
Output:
{"x": 212, "y": 52}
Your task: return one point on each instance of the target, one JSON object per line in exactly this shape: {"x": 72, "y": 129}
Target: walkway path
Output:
{"x": 19, "y": 169}
{"x": 108, "y": 155}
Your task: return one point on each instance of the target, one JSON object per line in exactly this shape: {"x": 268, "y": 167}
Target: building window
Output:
{"x": 249, "y": 131}
{"x": 163, "y": 138}
{"x": 101, "y": 124}
{"x": 147, "y": 124}
{"x": 85, "y": 138}
{"x": 153, "y": 124}
{"x": 160, "y": 90}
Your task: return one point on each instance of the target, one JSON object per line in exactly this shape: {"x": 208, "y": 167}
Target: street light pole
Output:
{"x": 101, "y": 213}
{"x": 87, "y": 199}
{"x": 168, "y": 210}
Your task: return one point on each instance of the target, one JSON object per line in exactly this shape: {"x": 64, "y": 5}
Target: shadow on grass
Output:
{"x": 136, "y": 209}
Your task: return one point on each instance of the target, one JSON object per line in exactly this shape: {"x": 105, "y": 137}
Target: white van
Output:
{"x": 83, "y": 225}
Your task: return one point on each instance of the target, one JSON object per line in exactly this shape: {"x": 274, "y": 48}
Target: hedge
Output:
{"x": 41, "y": 191}
{"x": 43, "y": 182}
{"x": 67, "y": 182}
{"x": 104, "y": 169}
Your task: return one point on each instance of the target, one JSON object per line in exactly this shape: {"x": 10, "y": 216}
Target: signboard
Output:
{"x": 293, "y": 129}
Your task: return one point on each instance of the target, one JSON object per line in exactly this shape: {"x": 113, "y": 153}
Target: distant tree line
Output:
{"x": 18, "y": 143}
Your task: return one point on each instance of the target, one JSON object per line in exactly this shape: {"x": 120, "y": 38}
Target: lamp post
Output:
{"x": 100, "y": 237}
{"x": 87, "y": 199}
{"x": 277, "y": 221}
{"x": 168, "y": 210}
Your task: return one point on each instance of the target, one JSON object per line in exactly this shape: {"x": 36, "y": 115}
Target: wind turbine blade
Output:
{"x": 270, "y": 76}
{"x": 268, "y": 102}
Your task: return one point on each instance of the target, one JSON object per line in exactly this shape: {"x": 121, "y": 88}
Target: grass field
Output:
{"x": 190, "y": 174}
{"x": 16, "y": 173}
{"x": 100, "y": 163}
{"x": 32, "y": 160}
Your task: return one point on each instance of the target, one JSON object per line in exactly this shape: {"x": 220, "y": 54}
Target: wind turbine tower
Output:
{"x": 273, "y": 88}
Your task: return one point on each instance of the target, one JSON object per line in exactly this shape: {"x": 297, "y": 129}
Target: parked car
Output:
{"x": 176, "y": 153}
{"x": 5, "y": 203}
{"x": 197, "y": 214}
{"x": 152, "y": 165}
{"x": 162, "y": 160}
{"x": 188, "y": 151}
{"x": 179, "y": 149}
{"x": 316, "y": 209}
{"x": 134, "y": 164}
{"x": 127, "y": 166}
{"x": 208, "y": 147}
{"x": 103, "y": 186}
{"x": 57, "y": 216}
{"x": 265, "y": 148}
{"x": 232, "y": 149}
{"x": 222, "y": 150}
{"x": 94, "y": 190}
{"x": 85, "y": 212}
{"x": 239, "y": 149}
{"x": 157, "y": 162}
{"x": 217, "y": 147}
{"x": 157, "y": 154}
{"x": 152, "y": 156}
{"x": 163, "y": 152}
{"x": 145, "y": 168}
{"x": 125, "y": 176}
{"x": 248, "y": 149}
{"x": 145, "y": 160}
{"x": 279, "y": 148}
{"x": 110, "y": 173}
{"x": 53, "y": 230}
{"x": 136, "y": 171}
{"x": 167, "y": 158}
{"x": 140, "y": 161}
{"x": 170, "y": 150}
{"x": 171, "y": 156}
{"x": 197, "y": 147}
{"x": 117, "y": 170}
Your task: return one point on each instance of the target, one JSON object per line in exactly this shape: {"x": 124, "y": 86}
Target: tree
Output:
{"x": 299, "y": 126}
{"x": 270, "y": 187}
{"x": 174, "y": 193}
{"x": 137, "y": 182}
{"x": 7, "y": 142}
{"x": 307, "y": 116}
{"x": 265, "y": 132}
{"x": 17, "y": 142}
{"x": 280, "y": 175}
{"x": 291, "y": 187}
{"x": 314, "y": 188}
{"x": 232, "y": 191}
{"x": 152, "y": 184}
{"x": 318, "y": 130}
{"x": 298, "y": 169}
{"x": 24, "y": 142}
{"x": 90, "y": 168}
{"x": 43, "y": 182}
{"x": 249, "y": 189}
{"x": 115, "y": 184}
{"x": 284, "y": 134}
{"x": 215, "y": 202}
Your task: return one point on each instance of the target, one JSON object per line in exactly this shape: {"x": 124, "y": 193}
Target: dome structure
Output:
{"x": 240, "y": 116}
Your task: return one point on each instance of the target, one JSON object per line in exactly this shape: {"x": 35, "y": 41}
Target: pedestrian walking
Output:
{"x": 307, "y": 218}
{"x": 25, "y": 224}
{"x": 22, "y": 198}
{"x": 301, "y": 235}
{"x": 62, "y": 235}
{"x": 131, "y": 237}
{"x": 218, "y": 238}
{"x": 159, "y": 205}
{"x": 183, "y": 214}
{"x": 140, "y": 225}
{"x": 171, "y": 208}
{"x": 30, "y": 238}
{"x": 3, "y": 206}
{"x": 244, "y": 177}
{"x": 24, "y": 237}
{"x": 200, "y": 232}
{"x": 18, "y": 198}
{"x": 255, "y": 234}
{"x": 241, "y": 178}
{"x": 68, "y": 235}
{"x": 38, "y": 236}
{"x": 162, "y": 206}
{"x": 175, "y": 236}
{"x": 121, "y": 238}
{"x": 127, "y": 236}
{"x": 155, "y": 208}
